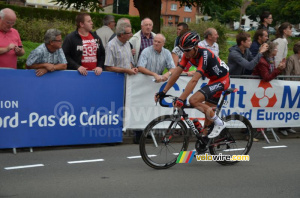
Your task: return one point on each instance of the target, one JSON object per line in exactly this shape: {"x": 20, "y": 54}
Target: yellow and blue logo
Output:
{"x": 185, "y": 157}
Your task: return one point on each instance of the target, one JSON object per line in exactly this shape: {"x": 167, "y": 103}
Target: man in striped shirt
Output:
{"x": 118, "y": 57}
{"x": 155, "y": 59}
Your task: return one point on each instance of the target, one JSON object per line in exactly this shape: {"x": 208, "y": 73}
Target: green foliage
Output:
{"x": 92, "y": 5}
{"x": 35, "y": 29}
{"x": 281, "y": 10}
{"x": 51, "y": 15}
{"x": 231, "y": 15}
{"x": 215, "y": 9}
{"x": 170, "y": 34}
{"x": 28, "y": 47}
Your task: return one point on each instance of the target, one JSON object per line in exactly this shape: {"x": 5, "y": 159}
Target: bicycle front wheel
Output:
{"x": 162, "y": 141}
{"x": 235, "y": 140}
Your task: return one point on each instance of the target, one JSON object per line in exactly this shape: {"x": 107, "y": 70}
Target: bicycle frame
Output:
{"x": 185, "y": 116}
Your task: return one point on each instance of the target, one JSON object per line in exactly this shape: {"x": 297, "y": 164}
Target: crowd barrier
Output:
{"x": 65, "y": 108}
{"x": 265, "y": 104}
{"x": 60, "y": 108}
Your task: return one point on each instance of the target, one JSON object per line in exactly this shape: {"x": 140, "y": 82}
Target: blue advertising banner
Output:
{"x": 60, "y": 108}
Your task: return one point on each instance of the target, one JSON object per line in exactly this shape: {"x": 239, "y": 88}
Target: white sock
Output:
{"x": 217, "y": 120}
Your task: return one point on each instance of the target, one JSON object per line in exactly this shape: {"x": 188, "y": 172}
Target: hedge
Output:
{"x": 48, "y": 14}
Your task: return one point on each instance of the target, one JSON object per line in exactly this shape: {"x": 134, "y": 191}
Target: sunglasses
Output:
{"x": 186, "y": 50}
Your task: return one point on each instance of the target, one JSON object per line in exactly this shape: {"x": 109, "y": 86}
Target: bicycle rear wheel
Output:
{"x": 236, "y": 139}
{"x": 162, "y": 141}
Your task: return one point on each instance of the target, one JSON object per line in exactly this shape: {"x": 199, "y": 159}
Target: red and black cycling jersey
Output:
{"x": 208, "y": 64}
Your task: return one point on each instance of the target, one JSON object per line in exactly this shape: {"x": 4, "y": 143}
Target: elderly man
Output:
{"x": 10, "y": 42}
{"x": 210, "y": 41}
{"x": 118, "y": 52}
{"x": 49, "y": 56}
{"x": 107, "y": 30}
{"x": 155, "y": 59}
{"x": 83, "y": 48}
{"x": 143, "y": 38}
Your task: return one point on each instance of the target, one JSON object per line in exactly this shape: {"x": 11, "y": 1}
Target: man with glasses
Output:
{"x": 208, "y": 65}
{"x": 83, "y": 48}
{"x": 49, "y": 56}
{"x": 10, "y": 42}
{"x": 107, "y": 30}
{"x": 118, "y": 56}
{"x": 266, "y": 19}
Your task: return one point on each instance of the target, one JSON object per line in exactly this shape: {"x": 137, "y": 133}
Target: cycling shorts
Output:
{"x": 213, "y": 90}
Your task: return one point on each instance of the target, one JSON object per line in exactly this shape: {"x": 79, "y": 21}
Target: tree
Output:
{"x": 282, "y": 10}
{"x": 152, "y": 9}
{"x": 123, "y": 7}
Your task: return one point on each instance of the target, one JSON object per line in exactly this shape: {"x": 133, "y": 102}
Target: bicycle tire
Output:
{"x": 232, "y": 140}
{"x": 162, "y": 140}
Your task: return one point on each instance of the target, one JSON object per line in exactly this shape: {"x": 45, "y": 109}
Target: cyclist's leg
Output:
{"x": 208, "y": 121}
{"x": 211, "y": 94}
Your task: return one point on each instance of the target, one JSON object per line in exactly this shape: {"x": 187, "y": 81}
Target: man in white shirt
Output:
{"x": 107, "y": 30}
{"x": 210, "y": 40}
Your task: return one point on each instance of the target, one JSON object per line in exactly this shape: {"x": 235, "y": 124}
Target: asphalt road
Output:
{"x": 118, "y": 172}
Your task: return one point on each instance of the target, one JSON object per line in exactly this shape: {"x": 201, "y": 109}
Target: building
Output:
{"x": 171, "y": 12}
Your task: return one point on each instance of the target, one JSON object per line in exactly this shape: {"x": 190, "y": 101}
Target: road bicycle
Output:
{"x": 166, "y": 136}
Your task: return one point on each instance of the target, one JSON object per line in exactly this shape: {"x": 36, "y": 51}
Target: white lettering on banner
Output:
{"x": 9, "y": 121}
{"x": 42, "y": 121}
{"x": 36, "y": 120}
{"x": 9, "y": 104}
{"x": 98, "y": 119}
{"x": 276, "y": 104}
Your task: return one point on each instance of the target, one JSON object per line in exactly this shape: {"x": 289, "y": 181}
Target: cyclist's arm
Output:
{"x": 174, "y": 77}
{"x": 190, "y": 86}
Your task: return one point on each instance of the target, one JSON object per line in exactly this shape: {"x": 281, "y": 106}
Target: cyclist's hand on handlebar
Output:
{"x": 159, "y": 95}
{"x": 178, "y": 103}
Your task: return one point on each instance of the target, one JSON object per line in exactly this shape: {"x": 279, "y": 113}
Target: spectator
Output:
{"x": 210, "y": 38}
{"x": 180, "y": 27}
{"x": 266, "y": 68}
{"x": 265, "y": 20}
{"x": 177, "y": 55}
{"x": 143, "y": 38}
{"x": 283, "y": 32}
{"x": 10, "y": 42}
{"x": 49, "y": 56}
{"x": 154, "y": 59}
{"x": 260, "y": 37}
{"x": 240, "y": 58}
{"x": 118, "y": 52}
{"x": 83, "y": 49}
{"x": 293, "y": 63}
{"x": 107, "y": 30}
{"x": 125, "y": 20}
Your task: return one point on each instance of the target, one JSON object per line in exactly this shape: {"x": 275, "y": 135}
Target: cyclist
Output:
{"x": 208, "y": 65}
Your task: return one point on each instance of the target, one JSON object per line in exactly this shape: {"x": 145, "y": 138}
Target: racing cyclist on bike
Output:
{"x": 208, "y": 65}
